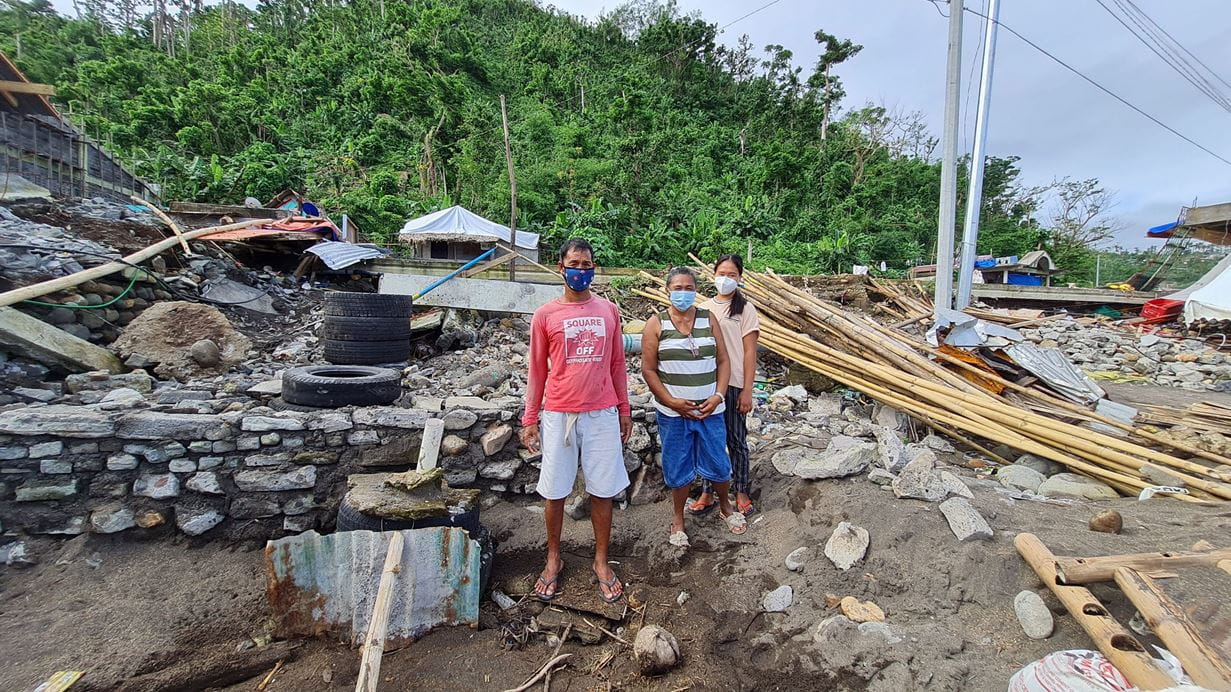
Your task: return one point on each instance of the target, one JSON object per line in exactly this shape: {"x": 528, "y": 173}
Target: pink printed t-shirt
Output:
{"x": 576, "y": 359}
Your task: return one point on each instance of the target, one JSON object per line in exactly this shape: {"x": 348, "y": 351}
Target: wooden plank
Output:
{"x": 374, "y": 643}
{"x": 1091, "y": 570}
{"x": 1119, "y": 645}
{"x": 27, "y": 88}
{"x": 1167, "y": 619}
{"x": 233, "y": 210}
{"x": 490, "y": 264}
{"x": 429, "y": 449}
{"x": 51, "y": 286}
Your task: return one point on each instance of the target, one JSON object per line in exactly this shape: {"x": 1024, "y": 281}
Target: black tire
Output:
{"x": 351, "y": 519}
{"x": 347, "y": 304}
{"x": 366, "y": 352}
{"x": 332, "y": 386}
{"x": 279, "y": 404}
{"x": 365, "y": 328}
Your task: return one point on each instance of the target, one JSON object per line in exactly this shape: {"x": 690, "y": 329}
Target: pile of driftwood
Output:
{"x": 966, "y": 402}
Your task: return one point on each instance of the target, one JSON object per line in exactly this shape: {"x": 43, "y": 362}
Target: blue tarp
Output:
{"x": 1025, "y": 279}
{"x": 985, "y": 264}
{"x": 1163, "y": 231}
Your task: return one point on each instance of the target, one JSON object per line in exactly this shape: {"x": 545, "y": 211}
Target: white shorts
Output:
{"x": 591, "y": 438}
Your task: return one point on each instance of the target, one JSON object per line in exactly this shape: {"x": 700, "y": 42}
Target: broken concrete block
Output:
{"x": 845, "y": 456}
{"x": 846, "y": 545}
{"x": 955, "y": 485}
{"x": 891, "y": 449}
{"x": 964, "y": 520}
{"x": 919, "y": 479}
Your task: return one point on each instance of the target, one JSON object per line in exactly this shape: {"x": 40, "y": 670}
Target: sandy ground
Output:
{"x": 133, "y": 613}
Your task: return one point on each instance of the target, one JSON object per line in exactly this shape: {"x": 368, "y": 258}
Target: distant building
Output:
{"x": 1035, "y": 268}
{"x": 42, "y": 153}
{"x": 459, "y": 234}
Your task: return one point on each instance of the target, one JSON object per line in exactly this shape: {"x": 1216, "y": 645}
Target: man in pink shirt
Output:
{"x": 577, "y": 411}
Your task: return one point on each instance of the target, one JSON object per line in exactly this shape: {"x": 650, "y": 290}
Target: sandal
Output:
{"x": 611, "y": 587}
{"x": 736, "y": 523}
{"x": 552, "y": 584}
{"x": 700, "y": 509}
{"x": 678, "y": 539}
{"x": 746, "y": 510}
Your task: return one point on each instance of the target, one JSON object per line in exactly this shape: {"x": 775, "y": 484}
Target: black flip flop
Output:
{"x": 610, "y": 587}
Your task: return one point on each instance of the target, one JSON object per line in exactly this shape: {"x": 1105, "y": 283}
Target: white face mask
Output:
{"x": 725, "y": 285}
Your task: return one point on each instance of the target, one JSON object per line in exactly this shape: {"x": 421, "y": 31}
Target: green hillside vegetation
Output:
{"x": 639, "y": 130}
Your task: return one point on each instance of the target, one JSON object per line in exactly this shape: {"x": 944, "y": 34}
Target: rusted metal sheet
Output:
{"x": 326, "y": 585}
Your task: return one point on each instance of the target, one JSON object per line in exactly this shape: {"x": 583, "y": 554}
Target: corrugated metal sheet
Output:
{"x": 1056, "y": 371}
{"x": 339, "y": 255}
{"x": 326, "y": 585}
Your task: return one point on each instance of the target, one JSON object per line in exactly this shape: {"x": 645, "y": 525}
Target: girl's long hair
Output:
{"x": 738, "y": 301}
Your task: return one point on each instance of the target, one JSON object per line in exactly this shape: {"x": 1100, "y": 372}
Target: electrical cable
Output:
{"x": 1104, "y": 89}
{"x": 1177, "y": 43}
{"x": 100, "y": 306}
{"x": 1175, "y": 62}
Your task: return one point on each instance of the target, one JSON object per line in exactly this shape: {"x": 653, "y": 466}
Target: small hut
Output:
{"x": 459, "y": 234}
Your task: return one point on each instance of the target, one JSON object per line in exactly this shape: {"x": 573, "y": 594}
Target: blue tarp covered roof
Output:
{"x": 1163, "y": 231}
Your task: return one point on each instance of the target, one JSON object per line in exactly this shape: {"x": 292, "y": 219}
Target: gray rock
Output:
{"x": 955, "y": 485}
{"x": 248, "y": 443}
{"x": 1022, "y": 478}
{"x": 919, "y": 479}
{"x": 1036, "y": 620}
{"x": 254, "y": 508}
{"x": 1047, "y": 467}
{"x": 58, "y": 420}
{"x": 121, "y": 399}
{"x": 964, "y": 520}
{"x": 796, "y": 393}
{"x": 157, "y": 454}
{"x": 122, "y": 462}
{"x": 179, "y": 396}
{"x": 104, "y": 382}
{"x": 890, "y": 449}
{"x": 299, "y": 504}
{"x": 452, "y": 445}
{"x": 1071, "y": 485}
{"x": 267, "y": 388}
{"x": 205, "y": 482}
{"x": 46, "y": 449}
{"x": 778, "y": 600}
{"x": 786, "y": 460}
{"x": 460, "y": 419}
{"x": 937, "y": 444}
{"x": 846, "y": 545}
{"x": 182, "y": 466}
{"x": 845, "y": 456}
{"x": 797, "y": 559}
{"x": 196, "y": 521}
{"x": 491, "y": 376}
{"x": 1158, "y": 475}
{"x": 363, "y": 437}
{"x": 206, "y": 353}
{"x": 880, "y": 476}
{"x": 55, "y": 466}
{"x": 34, "y": 393}
{"x": 392, "y": 417}
{"x": 639, "y": 441}
{"x": 495, "y": 438}
{"x": 500, "y": 470}
{"x": 46, "y": 489}
{"x": 13, "y": 452}
{"x": 333, "y": 421}
{"x": 268, "y": 423}
{"x": 157, "y": 485}
{"x": 887, "y": 417}
{"x": 111, "y": 518}
{"x": 207, "y": 463}
{"x": 270, "y": 439}
{"x": 300, "y": 478}
{"x": 148, "y": 425}
{"x": 275, "y": 459}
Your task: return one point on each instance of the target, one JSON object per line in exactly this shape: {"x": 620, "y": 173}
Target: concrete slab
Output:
{"x": 37, "y": 340}
{"x": 473, "y": 294}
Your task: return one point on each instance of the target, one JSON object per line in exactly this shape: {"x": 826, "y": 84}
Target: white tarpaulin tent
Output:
{"x": 1210, "y": 297}
{"x": 458, "y": 223}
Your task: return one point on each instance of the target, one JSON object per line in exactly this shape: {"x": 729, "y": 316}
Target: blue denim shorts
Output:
{"x": 694, "y": 448}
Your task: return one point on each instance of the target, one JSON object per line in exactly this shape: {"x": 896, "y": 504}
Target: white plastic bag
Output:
{"x": 1075, "y": 670}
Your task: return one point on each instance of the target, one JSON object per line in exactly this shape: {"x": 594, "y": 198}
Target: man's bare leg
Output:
{"x": 600, "y": 518}
{"x": 723, "y": 491}
{"x": 679, "y": 497}
{"x": 553, "y": 514}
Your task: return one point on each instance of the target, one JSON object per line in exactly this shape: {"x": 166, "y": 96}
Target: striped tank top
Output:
{"x": 687, "y": 375}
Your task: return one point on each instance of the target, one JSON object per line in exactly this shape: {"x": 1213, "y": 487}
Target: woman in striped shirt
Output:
{"x": 684, "y": 362}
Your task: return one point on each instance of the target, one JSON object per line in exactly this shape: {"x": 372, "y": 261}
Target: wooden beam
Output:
{"x": 1202, "y": 661}
{"x": 1091, "y": 570}
{"x": 1119, "y": 645}
{"x": 378, "y": 625}
{"x": 490, "y": 264}
{"x": 27, "y": 88}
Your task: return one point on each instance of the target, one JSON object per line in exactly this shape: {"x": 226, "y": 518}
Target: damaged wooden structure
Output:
{"x": 43, "y": 154}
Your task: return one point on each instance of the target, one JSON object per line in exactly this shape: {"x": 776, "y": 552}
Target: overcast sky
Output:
{"x": 1057, "y": 123}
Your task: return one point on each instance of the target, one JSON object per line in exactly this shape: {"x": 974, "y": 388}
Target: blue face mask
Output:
{"x": 682, "y": 300}
{"x": 578, "y": 279}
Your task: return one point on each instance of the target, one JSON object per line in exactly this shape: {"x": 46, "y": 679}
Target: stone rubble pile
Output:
{"x": 1170, "y": 362}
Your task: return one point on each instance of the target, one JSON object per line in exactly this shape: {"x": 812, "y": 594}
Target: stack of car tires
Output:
{"x": 366, "y": 328}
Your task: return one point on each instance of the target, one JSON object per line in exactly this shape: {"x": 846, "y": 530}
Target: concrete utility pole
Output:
{"x": 948, "y": 165}
{"x": 974, "y": 196}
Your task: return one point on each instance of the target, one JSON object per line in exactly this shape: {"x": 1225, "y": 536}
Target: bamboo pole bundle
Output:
{"x": 892, "y": 368}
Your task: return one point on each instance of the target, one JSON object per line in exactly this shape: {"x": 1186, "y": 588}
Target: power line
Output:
{"x": 1178, "y": 43}
{"x": 1172, "y": 59}
{"x": 1104, "y": 89}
